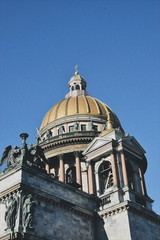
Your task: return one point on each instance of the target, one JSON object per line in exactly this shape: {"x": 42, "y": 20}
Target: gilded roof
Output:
{"x": 78, "y": 105}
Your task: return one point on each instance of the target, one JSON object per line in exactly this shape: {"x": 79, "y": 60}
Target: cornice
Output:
{"x": 49, "y": 198}
{"x": 73, "y": 118}
{"x": 130, "y": 207}
{"x": 68, "y": 139}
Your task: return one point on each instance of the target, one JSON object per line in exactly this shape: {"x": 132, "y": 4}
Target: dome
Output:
{"x": 79, "y": 105}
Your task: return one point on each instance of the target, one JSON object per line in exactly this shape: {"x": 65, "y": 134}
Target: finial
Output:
{"x": 24, "y": 136}
{"x": 109, "y": 121}
{"x": 76, "y": 69}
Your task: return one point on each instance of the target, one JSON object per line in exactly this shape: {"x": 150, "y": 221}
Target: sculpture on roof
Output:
{"x": 32, "y": 157}
{"x": 11, "y": 156}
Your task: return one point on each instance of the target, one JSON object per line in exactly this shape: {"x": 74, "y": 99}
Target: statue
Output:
{"x": 32, "y": 157}
{"x": 11, "y": 155}
{"x": 28, "y": 212}
{"x": 61, "y": 130}
{"x": 38, "y": 139}
{"x": 90, "y": 126}
{"x": 11, "y": 214}
{"x": 76, "y": 126}
{"x": 37, "y": 157}
{"x": 49, "y": 134}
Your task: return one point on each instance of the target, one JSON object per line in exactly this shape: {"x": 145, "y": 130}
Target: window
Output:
{"x": 105, "y": 176}
{"x": 72, "y": 88}
{"x": 83, "y": 127}
{"x": 95, "y": 128}
{"x": 71, "y": 128}
{"x": 131, "y": 175}
{"x": 77, "y": 87}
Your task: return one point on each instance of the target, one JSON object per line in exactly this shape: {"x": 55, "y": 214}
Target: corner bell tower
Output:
{"x": 117, "y": 164}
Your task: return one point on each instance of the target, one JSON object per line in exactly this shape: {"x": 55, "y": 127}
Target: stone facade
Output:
{"x": 60, "y": 211}
{"x": 130, "y": 221}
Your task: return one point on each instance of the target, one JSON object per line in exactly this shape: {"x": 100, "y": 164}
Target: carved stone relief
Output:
{"x": 28, "y": 210}
{"x": 11, "y": 213}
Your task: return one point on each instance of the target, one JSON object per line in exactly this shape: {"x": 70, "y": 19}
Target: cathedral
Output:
{"x": 83, "y": 179}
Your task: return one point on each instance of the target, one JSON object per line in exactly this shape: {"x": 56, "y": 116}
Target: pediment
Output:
{"x": 132, "y": 142}
{"x": 95, "y": 144}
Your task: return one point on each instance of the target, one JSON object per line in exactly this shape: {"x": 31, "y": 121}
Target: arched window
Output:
{"x": 72, "y": 88}
{"x": 71, "y": 175}
{"x": 105, "y": 176}
{"x": 77, "y": 87}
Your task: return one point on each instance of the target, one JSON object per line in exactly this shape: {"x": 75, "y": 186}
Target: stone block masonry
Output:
{"x": 53, "y": 210}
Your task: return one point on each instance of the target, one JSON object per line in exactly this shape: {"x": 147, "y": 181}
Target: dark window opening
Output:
{"x": 71, "y": 128}
{"x": 72, "y": 88}
{"x": 140, "y": 201}
{"x": 95, "y": 128}
{"x": 77, "y": 87}
{"x": 83, "y": 127}
{"x": 131, "y": 175}
{"x": 105, "y": 176}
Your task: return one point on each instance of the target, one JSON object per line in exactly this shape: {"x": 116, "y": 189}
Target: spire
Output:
{"x": 109, "y": 125}
{"x": 77, "y": 85}
{"x": 109, "y": 121}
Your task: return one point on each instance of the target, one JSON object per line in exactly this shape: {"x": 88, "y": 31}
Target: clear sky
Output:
{"x": 116, "y": 44}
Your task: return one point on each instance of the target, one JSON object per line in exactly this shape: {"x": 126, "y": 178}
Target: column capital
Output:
{"x": 90, "y": 162}
{"x": 77, "y": 153}
{"x": 60, "y": 156}
{"x": 111, "y": 151}
{"x": 121, "y": 150}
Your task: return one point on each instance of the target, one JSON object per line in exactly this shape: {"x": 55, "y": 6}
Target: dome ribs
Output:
{"x": 97, "y": 106}
{"x": 87, "y": 104}
{"x": 66, "y": 109}
{"x": 100, "y": 106}
{"x": 47, "y": 117}
{"x": 82, "y": 105}
{"x": 76, "y": 104}
{"x": 62, "y": 109}
{"x": 103, "y": 107}
{"x": 59, "y": 111}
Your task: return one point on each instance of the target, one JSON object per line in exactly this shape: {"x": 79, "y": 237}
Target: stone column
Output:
{"x": 78, "y": 168}
{"x": 142, "y": 182}
{"x": 90, "y": 178}
{"x": 115, "y": 181}
{"x": 124, "y": 170}
{"x": 61, "y": 168}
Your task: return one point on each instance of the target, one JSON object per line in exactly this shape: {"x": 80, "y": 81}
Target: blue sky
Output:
{"x": 115, "y": 44}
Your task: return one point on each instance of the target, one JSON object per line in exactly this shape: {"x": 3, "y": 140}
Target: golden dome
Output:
{"x": 79, "y": 105}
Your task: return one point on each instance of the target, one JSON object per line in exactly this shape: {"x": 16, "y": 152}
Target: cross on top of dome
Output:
{"x": 76, "y": 69}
